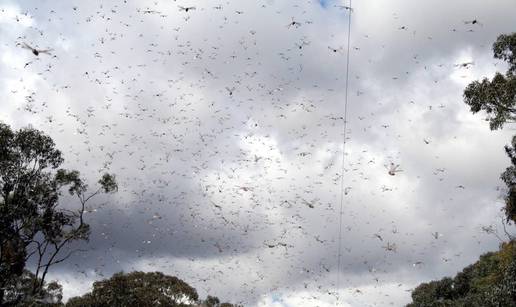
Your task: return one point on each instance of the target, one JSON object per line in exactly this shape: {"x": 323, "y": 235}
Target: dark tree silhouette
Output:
{"x": 143, "y": 290}
{"x": 32, "y": 224}
{"x": 490, "y": 282}
{"x": 18, "y": 292}
{"x": 497, "y": 97}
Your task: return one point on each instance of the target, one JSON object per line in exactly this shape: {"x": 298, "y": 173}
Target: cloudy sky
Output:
{"x": 224, "y": 126}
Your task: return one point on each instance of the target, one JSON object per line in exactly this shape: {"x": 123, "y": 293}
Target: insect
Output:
{"x": 464, "y": 65}
{"x": 186, "y": 9}
{"x": 472, "y": 22}
{"x": 393, "y": 169}
{"x": 335, "y": 50}
{"x": 344, "y": 7}
{"x": 302, "y": 44}
{"x": 390, "y": 247}
{"x": 35, "y": 51}
{"x": 436, "y": 235}
{"x": 293, "y": 23}
{"x": 245, "y": 189}
{"x": 230, "y": 90}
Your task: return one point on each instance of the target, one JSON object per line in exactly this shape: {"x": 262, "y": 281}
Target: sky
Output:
{"x": 224, "y": 125}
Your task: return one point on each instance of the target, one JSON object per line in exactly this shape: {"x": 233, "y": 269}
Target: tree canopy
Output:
{"x": 19, "y": 292}
{"x": 497, "y": 97}
{"x": 143, "y": 289}
{"x": 509, "y": 177}
{"x": 491, "y": 281}
{"x": 33, "y": 225}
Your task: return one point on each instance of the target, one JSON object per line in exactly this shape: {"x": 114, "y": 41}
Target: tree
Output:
{"x": 138, "y": 289}
{"x": 509, "y": 177}
{"x": 491, "y": 281}
{"x": 19, "y": 292}
{"x": 33, "y": 226}
{"x": 497, "y": 97}
{"x": 143, "y": 290}
{"x": 213, "y": 301}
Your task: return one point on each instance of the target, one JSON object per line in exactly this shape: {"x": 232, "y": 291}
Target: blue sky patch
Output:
{"x": 324, "y": 3}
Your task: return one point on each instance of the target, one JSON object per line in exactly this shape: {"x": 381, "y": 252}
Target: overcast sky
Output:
{"x": 223, "y": 125}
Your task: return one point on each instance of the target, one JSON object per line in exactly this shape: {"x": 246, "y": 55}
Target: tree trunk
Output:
{"x": 2, "y": 295}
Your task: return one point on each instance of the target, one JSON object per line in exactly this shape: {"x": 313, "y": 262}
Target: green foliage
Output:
{"x": 509, "y": 177}
{"x": 138, "y": 289}
{"x": 143, "y": 289}
{"x": 211, "y": 301}
{"x": 505, "y": 49}
{"x": 491, "y": 281}
{"x": 497, "y": 97}
{"x": 18, "y": 292}
{"x": 108, "y": 183}
{"x": 31, "y": 223}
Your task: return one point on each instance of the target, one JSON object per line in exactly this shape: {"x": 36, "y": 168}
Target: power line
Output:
{"x": 344, "y": 134}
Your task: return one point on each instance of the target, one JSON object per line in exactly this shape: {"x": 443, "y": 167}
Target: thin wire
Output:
{"x": 343, "y": 154}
